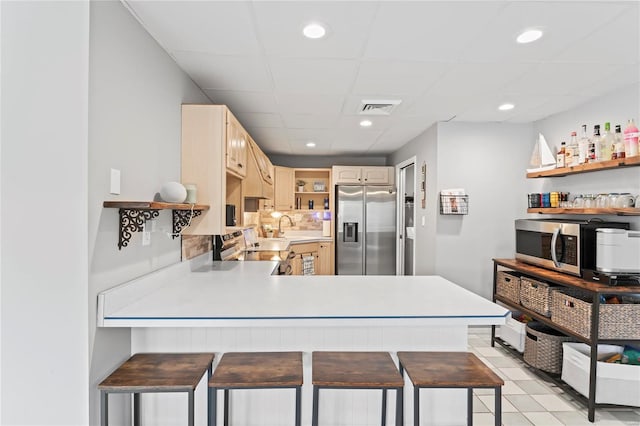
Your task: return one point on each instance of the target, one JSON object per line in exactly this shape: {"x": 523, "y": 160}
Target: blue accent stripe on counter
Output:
{"x": 305, "y": 318}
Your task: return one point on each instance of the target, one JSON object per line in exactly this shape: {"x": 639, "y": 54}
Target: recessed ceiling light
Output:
{"x": 529, "y": 35}
{"x": 506, "y": 107}
{"x": 311, "y": 144}
{"x": 366, "y": 123}
{"x": 314, "y": 30}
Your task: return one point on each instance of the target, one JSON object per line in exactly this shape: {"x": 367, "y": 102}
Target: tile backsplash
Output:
{"x": 195, "y": 245}
{"x": 305, "y": 220}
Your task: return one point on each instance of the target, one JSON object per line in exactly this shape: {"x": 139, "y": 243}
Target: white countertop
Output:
{"x": 237, "y": 294}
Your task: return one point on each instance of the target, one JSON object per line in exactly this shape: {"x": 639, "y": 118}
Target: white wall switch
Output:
{"x": 423, "y": 220}
{"x": 114, "y": 188}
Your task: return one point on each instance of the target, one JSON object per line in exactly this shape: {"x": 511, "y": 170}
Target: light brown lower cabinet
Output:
{"x": 322, "y": 253}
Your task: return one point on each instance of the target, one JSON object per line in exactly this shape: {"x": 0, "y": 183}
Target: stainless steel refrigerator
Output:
{"x": 365, "y": 230}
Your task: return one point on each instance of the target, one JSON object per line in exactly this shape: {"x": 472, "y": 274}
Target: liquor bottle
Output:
{"x": 607, "y": 143}
{"x": 561, "y": 157}
{"x": 631, "y": 139}
{"x": 620, "y": 152}
{"x": 594, "y": 143}
{"x": 573, "y": 151}
{"x": 583, "y": 153}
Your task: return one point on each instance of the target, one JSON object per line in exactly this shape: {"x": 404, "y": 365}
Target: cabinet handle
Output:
{"x": 240, "y": 165}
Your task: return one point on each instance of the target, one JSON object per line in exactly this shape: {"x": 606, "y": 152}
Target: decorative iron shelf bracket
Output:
{"x": 133, "y": 215}
{"x": 182, "y": 218}
{"x": 132, "y": 220}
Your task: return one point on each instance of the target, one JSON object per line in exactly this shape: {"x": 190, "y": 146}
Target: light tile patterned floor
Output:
{"x": 529, "y": 400}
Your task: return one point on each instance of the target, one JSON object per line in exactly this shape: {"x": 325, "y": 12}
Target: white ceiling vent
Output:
{"x": 378, "y": 107}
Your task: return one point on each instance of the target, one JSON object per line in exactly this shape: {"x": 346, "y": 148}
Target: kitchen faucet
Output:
{"x": 280, "y": 231}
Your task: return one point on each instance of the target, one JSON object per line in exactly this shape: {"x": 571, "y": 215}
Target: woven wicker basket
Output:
{"x": 543, "y": 347}
{"x": 535, "y": 295}
{"x": 571, "y": 309}
{"x": 508, "y": 285}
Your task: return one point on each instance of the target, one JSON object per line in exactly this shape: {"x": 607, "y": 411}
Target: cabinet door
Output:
{"x": 283, "y": 190}
{"x": 237, "y": 145}
{"x": 325, "y": 259}
{"x": 296, "y": 265}
{"x": 346, "y": 175}
{"x": 377, "y": 175}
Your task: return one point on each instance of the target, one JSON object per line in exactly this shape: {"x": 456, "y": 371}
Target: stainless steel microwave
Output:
{"x": 567, "y": 246}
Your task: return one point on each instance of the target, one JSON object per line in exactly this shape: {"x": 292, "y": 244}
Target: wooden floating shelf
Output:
{"x": 627, "y": 211}
{"x": 586, "y": 168}
{"x": 152, "y": 205}
{"x": 134, "y": 214}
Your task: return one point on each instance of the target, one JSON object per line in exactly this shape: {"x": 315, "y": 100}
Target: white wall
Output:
{"x": 616, "y": 107}
{"x": 136, "y": 91}
{"x": 488, "y": 160}
{"x": 44, "y": 335}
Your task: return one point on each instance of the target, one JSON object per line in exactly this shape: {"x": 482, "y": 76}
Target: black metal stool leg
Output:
{"x": 384, "y": 407}
{"x": 191, "y": 420}
{"x": 498, "y": 413}
{"x": 137, "y": 415}
{"x": 416, "y": 406}
{"x": 104, "y": 408}
{"x": 226, "y": 407}
{"x": 298, "y": 406}
{"x": 469, "y": 406}
{"x": 400, "y": 406}
{"x": 210, "y": 421}
{"x": 316, "y": 397}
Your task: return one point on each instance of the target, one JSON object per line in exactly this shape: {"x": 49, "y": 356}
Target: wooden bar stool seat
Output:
{"x": 155, "y": 372}
{"x": 356, "y": 370}
{"x": 255, "y": 370}
{"x": 450, "y": 370}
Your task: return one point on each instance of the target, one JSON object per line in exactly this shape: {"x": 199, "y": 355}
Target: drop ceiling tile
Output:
{"x": 279, "y": 25}
{"x": 270, "y": 139}
{"x": 309, "y": 121}
{"x": 258, "y": 119}
{"x": 313, "y": 76}
{"x": 397, "y": 77}
{"x": 477, "y": 79}
{"x": 309, "y": 104}
{"x": 442, "y": 107}
{"x": 299, "y": 137}
{"x": 496, "y": 43}
{"x": 225, "y": 72}
{"x": 561, "y": 79}
{"x": 241, "y": 101}
{"x": 618, "y": 41}
{"x": 428, "y": 31}
{"x": 202, "y": 26}
{"x": 362, "y": 139}
{"x": 352, "y": 121}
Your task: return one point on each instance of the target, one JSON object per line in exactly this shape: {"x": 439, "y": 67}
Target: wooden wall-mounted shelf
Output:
{"x": 133, "y": 215}
{"x": 627, "y": 211}
{"x": 586, "y": 168}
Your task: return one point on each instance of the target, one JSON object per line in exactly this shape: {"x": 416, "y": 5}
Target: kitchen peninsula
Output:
{"x": 202, "y": 305}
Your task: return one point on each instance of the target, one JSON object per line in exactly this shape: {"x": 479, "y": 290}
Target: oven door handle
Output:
{"x": 554, "y": 239}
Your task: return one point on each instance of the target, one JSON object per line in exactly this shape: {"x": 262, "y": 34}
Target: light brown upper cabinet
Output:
{"x": 258, "y": 183}
{"x": 283, "y": 191}
{"x": 209, "y": 132}
{"x": 357, "y": 175}
{"x": 237, "y": 142}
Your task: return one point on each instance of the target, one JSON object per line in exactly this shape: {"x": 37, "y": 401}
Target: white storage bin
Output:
{"x": 513, "y": 332}
{"x": 615, "y": 383}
